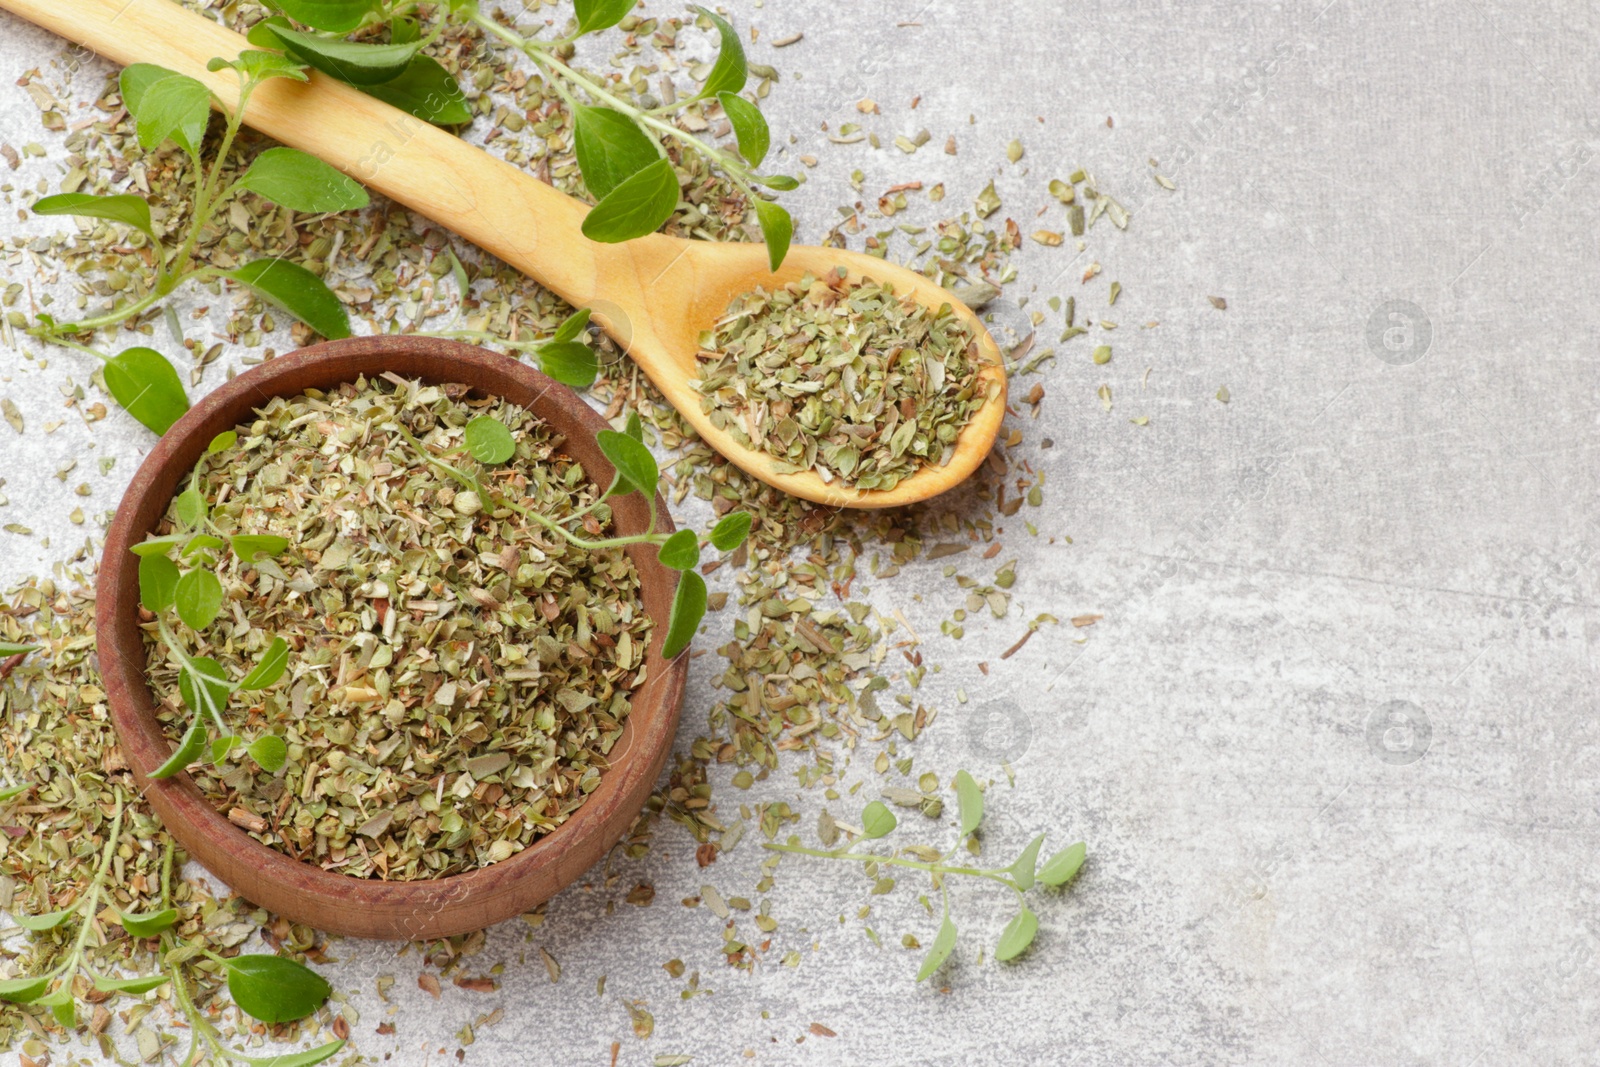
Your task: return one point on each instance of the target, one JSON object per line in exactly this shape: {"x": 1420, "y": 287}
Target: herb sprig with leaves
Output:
{"x": 171, "y": 108}
{"x": 1020, "y": 875}
{"x": 196, "y": 596}
{"x": 620, "y": 147}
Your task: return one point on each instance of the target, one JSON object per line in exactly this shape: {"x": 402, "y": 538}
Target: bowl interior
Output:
{"x": 300, "y": 891}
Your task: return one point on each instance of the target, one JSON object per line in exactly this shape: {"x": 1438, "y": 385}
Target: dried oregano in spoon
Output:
{"x": 845, "y": 378}
{"x": 463, "y": 633}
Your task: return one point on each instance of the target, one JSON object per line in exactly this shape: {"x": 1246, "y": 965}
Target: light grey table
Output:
{"x": 1332, "y": 745}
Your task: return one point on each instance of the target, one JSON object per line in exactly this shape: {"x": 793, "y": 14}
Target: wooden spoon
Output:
{"x": 653, "y": 295}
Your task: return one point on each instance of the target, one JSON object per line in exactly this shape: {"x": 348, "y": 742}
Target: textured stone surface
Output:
{"x": 1332, "y": 746}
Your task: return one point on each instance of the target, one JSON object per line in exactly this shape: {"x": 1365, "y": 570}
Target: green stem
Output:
{"x": 110, "y": 318}
{"x": 91, "y": 903}
{"x": 198, "y": 679}
{"x": 894, "y": 861}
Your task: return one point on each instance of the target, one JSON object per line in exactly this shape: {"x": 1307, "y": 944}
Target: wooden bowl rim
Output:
{"x": 301, "y": 891}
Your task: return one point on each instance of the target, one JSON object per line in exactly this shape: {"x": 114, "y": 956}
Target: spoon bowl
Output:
{"x": 653, "y": 295}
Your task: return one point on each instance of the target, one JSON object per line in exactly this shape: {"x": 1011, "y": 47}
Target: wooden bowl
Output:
{"x": 299, "y": 891}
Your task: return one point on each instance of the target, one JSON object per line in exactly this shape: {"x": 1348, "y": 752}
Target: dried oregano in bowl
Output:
{"x": 847, "y": 378}
{"x": 454, "y": 672}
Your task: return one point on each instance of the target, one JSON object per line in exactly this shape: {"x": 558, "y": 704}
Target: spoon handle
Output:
{"x": 491, "y": 203}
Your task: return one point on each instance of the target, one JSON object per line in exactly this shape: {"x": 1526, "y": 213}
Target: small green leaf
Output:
{"x": 427, "y": 91}
{"x": 261, "y": 66}
{"x": 134, "y": 986}
{"x": 600, "y": 14}
{"x": 729, "y": 533}
{"x": 124, "y": 208}
{"x": 571, "y": 327}
{"x": 212, "y": 690}
{"x": 175, "y": 107}
{"x": 349, "y": 61}
{"x": 403, "y": 30}
{"x": 299, "y": 292}
{"x": 251, "y": 547}
{"x": 269, "y": 668}
{"x": 876, "y": 820}
{"x": 943, "y": 943}
{"x": 147, "y": 387}
{"x": 221, "y": 746}
{"x": 136, "y": 79}
{"x": 729, "y": 72}
{"x": 1021, "y": 870}
{"x": 222, "y": 442}
{"x": 148, "y": 924}
{"x": 610, "y": 148}
{"x": 681, "y": 551}
{"x": 191, "y": 508}
{"x": 1017, "y": 935}
{"x": 158, "y": 581}
{"x": 62, "y": 1006}
{"x": 749, "y": 126}
{"x": 570, "y": 363}
{"x": 634, "y": 427}
{"x": 47, "y": 921}
{"x": 777, "y": 229}
{"x": 781, "y": 182}
{"x": 970, "y": 799}
{"x": 270, "y": 752}
{"x": 636, "y": 207}
{"x": 11, "y": 792}
{"x": 156, "y": 546}
{"x": 301, "y": 182}
{"x": 201, "y": 543}
{"x": 308, "y": 1058}
{"x": 635, "y": 466}
{"x": 1063, "y": 866}
{"x": 23, "y": 990}
{"x": 189, "y": 749}
{"x": 275, "y": 990}
{"x": 688, "y": 608}
{"x": 198, "y": 598}
{"x": 263, "y": 34}
{"x": 330, "y": 16}
{"x": 12, "y": 648}
{"x": 489, "y": 441}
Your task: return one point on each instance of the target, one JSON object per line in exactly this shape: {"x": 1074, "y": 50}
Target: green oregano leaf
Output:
{"x": 148, "y": 924}
{"x": 489, "y": 441}
{"x": 175, "y": 106}
{"x": 156, "y": 546}
{"x": 571, "y": 327}
{"x": 729, "y": 72}
{"x": 147, "y": 387}
{"x": 688, "y": 608}
{"x": 309, "y": 1058}
{"x": 301, "y": 182}
{"x": 46, "y": 921}
{"x": 632, "y": 460}
{"x": 258, "y": 66}
{"x": 269, "y": 668}
{"x": 136, "y": 79}
{"x": 221, "y": 746}
{"x": 123, "y": 207}
{"x": 191, "y": 508}
{"x": 198, "y": 598}
{"x": 749, "y": 126}
{"x": 1022, "y": 869}
{"x": 299, "y": 292}
{"x": 208, "y": 694}
{"x": 730, "y": 532}
{"x": 62, "y": 1005}
{"x": 970, "y": 800}
{"x": 1017, "y": 935}
{"x": 634, "y": 427}
{"x": 11, "y": 792}
{"x": 427, "y": 91}
{"x": 12, "y": 648}
{"x": 781, "y": 182}
{"x": 251, "y": 547}
{"x": 681, "y": 551}
{"x": 777, "y": 229}
{"x": 158, "y": 581}
{"x": 600, "y": 14}
{"x": 274, "y": 989}
{"x": 636, "y": 207}
{"x": 570, "y": 363}
{"x": 877, "y": 820}
{"x": 189, "y": 749}
{"x": 23, "y": 990}
{"x": 1063, "y": 866}
{"x": 222, "y": 442}
{"x": 270, "y": 752}
{"x": 610, "y": 148}
{"x": 943, "y": 944}
{"x": 201, "y": 545}
{"x": 349, "y": 61}
{"x": 135, "y": 986}
{"x": 329, "y": 16}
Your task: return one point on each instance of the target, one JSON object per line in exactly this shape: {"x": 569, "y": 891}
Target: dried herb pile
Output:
{"x": 848, "y": 379}
{"x": 458, "y": 674}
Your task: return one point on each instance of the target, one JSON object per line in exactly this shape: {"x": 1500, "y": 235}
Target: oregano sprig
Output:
{"x": 1020, "y": 875}
{"x": 168, "y": 108}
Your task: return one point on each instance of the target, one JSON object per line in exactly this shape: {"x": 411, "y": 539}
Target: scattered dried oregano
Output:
{"x": 845, "y": 378}
{"x": 457, "y": 673}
